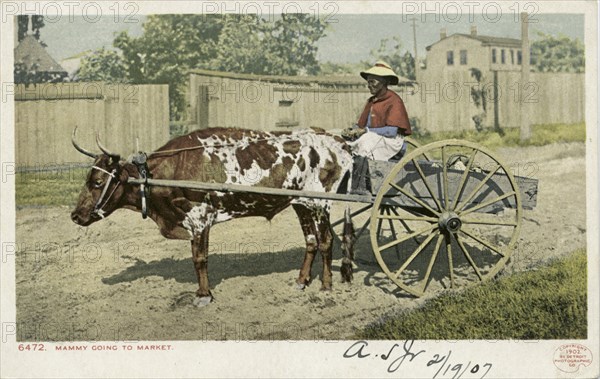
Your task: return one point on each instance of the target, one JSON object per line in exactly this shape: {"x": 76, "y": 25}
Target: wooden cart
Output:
{"x": 449, "y": 211}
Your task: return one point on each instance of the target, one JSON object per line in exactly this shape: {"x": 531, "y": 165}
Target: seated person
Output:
{"x": 384, "y": 118}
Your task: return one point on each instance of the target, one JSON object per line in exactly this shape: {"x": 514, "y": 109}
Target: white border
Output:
{"x": 511, "y": 359}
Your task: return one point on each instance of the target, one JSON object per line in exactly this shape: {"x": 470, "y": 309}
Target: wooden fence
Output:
{"x": 440, "y": 103}
{"x": 276, "y": 102}
{"x": 447, "y": 104}
{"x": 125, "y": 116}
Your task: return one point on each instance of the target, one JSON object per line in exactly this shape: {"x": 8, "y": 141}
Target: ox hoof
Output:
{"x": 326, "y": 289}
{"x": 300, "y": 286}
{"x": 202, "y": 301}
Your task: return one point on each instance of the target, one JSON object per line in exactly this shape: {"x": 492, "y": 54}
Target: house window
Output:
{"x": 463, "y": 57}
{"x": 450, "y": 58}
{"x": 512, "y": 57}
{"x": 287, "y": 114}
{"x": 494, "y": 56}
{"x": 519, "y": 57}
{"x": 503, "y": 56}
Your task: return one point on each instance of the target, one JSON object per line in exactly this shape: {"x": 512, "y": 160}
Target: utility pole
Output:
{"x": 414, "y": 28}
{"x": 525, "y": 134}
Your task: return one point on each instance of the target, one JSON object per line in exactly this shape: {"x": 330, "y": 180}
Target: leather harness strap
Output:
{"x": 140, "y": 161}
{"x": 98, "y": 208}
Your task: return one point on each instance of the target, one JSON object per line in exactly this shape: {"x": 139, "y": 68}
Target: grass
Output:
{"x": 548, "y": 303}
{"x": 540, "y": 135}
{"x": 53, "y": 188}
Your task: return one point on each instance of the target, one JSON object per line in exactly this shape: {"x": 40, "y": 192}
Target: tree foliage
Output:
{"x": 37, "y": 22}
{"x": 402, "y": 62}
{"x": 557, "y": 54}
{"x": 168, "y": 48}
{"x": 331, "y": 68}
{"x": 102, "y": 66}
{"x": 171, "y": 45}
{"x": 287, "y": 46}
{"x": 23, "y": 74}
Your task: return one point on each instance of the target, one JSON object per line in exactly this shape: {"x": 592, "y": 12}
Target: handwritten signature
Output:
{"x": 406, "y": 353}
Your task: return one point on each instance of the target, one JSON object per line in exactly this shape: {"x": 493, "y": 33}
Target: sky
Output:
{"x": 349, "y": 37}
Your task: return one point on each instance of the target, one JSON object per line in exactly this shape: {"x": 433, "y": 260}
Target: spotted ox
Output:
{"x": 305, "y": 160}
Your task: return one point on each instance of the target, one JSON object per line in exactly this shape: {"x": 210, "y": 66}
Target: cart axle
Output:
{"x": 450, "y": 222}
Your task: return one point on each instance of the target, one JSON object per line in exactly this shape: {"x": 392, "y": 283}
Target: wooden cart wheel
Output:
{"x": 454, "y": 212}
{"x": 411, "y": 145}
{"x": 364, "y": 224}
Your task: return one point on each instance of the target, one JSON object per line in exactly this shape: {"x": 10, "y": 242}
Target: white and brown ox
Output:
{"x": 305, "y": 160}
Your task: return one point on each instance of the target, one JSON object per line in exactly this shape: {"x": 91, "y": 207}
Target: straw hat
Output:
{"x": 382, "y": 69}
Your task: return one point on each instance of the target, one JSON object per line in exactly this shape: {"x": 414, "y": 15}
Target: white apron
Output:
{"x": 373, "y": 146}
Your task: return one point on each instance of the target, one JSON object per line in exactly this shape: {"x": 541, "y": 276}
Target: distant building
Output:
{"x": 72, "y": 64}
{"x": 466, "y": 78}
{"x": 33, "y": 64}
{"x": 464, "y": 51}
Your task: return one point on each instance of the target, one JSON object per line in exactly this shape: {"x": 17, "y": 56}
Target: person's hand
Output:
{"x": 352, "y": 134}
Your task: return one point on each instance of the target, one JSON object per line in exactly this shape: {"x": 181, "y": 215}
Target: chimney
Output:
{"x": 473, "y": 31}
{"x": 443, "y": 33}
{"x": 29, "y": 25}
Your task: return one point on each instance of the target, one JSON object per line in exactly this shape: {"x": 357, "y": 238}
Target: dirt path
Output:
{"x": 119, "y": 279}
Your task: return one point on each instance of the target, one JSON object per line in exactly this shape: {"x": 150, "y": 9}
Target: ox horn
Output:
{"x": 79, "y": 148}
{"x": 114, "y": 156}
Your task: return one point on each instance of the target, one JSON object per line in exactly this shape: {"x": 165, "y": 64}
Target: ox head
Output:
{"x": 104, "y": 187}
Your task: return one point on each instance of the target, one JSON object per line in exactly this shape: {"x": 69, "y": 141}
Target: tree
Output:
{"x": 292, "y": 44}
{"x": 23, "y": 25}
{"x": 403, "y": 63}
{"x": 23, "y": 74}
{"x": 331, "y": 68}
{"x": 557, "y": 54}
{"x": 102, "y": 66}
{"x": 168, "y": 48}
{"x": 173, "y": 44}
{"x": 249, "y": 44}
{"x": 241, "y": 46}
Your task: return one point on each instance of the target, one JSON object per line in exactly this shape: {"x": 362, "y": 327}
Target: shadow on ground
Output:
{"x": 225, "y": 266}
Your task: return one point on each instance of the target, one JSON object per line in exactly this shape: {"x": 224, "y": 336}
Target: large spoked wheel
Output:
{"x": 454, "y": 214}
{"x": 364, "y": 222}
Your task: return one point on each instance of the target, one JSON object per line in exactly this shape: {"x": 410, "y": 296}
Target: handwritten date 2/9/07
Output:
{"x": 397, "y": 356}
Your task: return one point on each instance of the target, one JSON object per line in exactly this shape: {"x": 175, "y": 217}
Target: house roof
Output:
{"x": 30, "y": 51}
{"x": 487, "y": 40}
{"x": 329, "y": 80}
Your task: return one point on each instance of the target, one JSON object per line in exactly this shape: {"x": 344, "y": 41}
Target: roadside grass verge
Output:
{"x": 547, "y": 303}
{"x": 540, "y": 135}
{"x": 52, "y": 188}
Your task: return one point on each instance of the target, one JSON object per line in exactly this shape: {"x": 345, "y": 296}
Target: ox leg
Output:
{"x": 200, "y": 259}
{"x": 325, "y": 246}
{"x": 310, "y": 236}
{"x": 318, "y": 236}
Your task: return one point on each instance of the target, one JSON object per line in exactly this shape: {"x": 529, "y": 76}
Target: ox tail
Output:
{"x": 347, "y": 248}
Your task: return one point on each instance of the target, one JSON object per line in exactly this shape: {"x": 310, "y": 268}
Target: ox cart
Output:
{"x": 448, "y": 212}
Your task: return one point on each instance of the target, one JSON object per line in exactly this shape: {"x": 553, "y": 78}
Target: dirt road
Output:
{"x": 120, "y": 279}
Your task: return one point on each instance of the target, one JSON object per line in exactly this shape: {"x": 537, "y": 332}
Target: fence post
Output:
{"x": 525, "y": 134}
